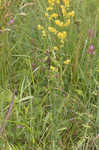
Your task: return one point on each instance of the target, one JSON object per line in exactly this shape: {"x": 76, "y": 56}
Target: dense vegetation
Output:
{"x": 49, "y": 75}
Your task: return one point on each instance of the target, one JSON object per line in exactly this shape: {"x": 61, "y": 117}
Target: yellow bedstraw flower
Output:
{"x": 62, "y": 35}
{"x": 51, "y": 2}
{"x": 58, "y": 1}
{"x": 40, "y": 27}
{"x": 55, "y": 48}
{"x": 67, "y": 23}
{"x": 63, "y": 9}
{"x": 43, "y": 33}
{"x": 66, "y": 2}
{"x": 49, "y": 8}
{"x": 53, "y": 68}
{"x": 59, "y": 23}
{"x": 66, "y": 62}
{"x": 51, "y": 29}
{"x": 72, "y": 14}
{"x": 54, "y": 15}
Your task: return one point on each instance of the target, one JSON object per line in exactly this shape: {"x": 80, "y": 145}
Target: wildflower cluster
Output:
{"x": 91, "y": 49}
{"x": 58, "y": 17}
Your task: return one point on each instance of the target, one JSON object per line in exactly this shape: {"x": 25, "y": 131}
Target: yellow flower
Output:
{"x": 62, "y": 35}
{"x": 53, "y": 68}
{"x": 49, "y": 8}
{"x": 66, "y": 2}
{"x": 58, "y": 1}
{"x": 63, "y": 9}
{"x": 66, "y": 62}
{"x": 51, "y": 29}
{"x": 72, "y": 14}
{"x": 51, "y": 2}
{"x": 54, "y": 15}
{"x": 43, "y": 33}
{"x": 55, "y": 48}
{"x": 59, "y": 23}
{"x": 40, "y": 27}
{"x": 67, "y": 23}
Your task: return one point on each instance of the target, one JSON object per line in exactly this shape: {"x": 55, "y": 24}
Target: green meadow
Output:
{"x": 49, "y": 75}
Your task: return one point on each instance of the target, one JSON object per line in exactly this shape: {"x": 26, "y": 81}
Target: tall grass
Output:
{"x": 56, "y": 101}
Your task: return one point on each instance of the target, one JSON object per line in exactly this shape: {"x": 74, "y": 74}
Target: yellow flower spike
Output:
{"x": 55, "y": 48}
{"x": 63, "y": 9}
{"x": 66, "y": 2}
{"x": 54, "y": 15}
{"x": 62, "y": 35}
{"x": 59, "y": 35}
{"x": 52, "y": 29}
{"x": 72, "y": 14}
{"x": 53, "y": 69}
{"x": 57, "y": 1}
{"x": 51, "y": 2}
{"x": 66, "y": 62}
{"x": 67, "y": 23}
{"x": 59, "y": 23}
{"x": 43, "y": 33}
{"x": 40, "y": 27}
{"x": 49, "y": 8}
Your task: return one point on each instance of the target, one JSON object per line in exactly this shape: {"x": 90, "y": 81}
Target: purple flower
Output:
{"x": 11, "y": 21}
{"x": 91, "y": 50}
{"x": 91, "y": 33}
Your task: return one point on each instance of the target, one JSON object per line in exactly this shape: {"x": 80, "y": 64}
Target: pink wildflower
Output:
{"x": 91, "y": 50}
{"x": 11, "y": 21}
